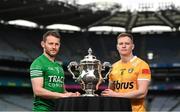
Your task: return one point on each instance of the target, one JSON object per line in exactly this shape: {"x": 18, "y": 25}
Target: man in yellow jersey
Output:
{"x": 130, "y": 76}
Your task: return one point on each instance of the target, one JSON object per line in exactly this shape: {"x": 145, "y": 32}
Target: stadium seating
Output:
{"x": 18, "y": 44}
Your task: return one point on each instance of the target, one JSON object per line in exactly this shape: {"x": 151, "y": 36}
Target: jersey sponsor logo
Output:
{"x": 56, "y": 79}
{"x": 55, "y": 85}
{"x": 130, "y": 70}
{"x": 145, "y": 71}
{"x": 122, "y": 71}
{"x": 123, "y": 85}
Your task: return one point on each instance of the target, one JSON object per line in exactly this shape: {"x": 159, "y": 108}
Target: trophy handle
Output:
{"x": 104, "y": 65}
{"x": 71, "y": 64}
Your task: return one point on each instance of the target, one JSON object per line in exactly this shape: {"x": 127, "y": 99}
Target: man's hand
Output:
{"x": 70, "y": 94}
{"x": 109, "y": 92}
{"x": 77, "y": 93}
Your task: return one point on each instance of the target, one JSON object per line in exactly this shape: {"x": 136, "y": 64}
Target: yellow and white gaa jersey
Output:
{"x": 124, "y": 77}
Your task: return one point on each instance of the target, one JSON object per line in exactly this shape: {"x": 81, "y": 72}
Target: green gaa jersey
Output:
{"x": 53, "y": 76}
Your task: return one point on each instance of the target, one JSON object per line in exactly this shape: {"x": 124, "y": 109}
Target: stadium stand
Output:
{"x": 8, "y": 52}
{"x": 14, "y": 102}
{"x": 18, "y": 47}
{"x": 164, "y": 103}
{"x": 20, "y": 42}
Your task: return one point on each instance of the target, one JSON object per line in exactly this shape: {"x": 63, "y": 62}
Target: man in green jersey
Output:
{"x": 47, "y": 75}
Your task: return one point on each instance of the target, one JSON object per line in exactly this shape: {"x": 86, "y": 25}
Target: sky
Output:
{"x": 131, "y": 4}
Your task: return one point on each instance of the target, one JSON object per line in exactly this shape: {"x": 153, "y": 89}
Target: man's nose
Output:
{"x": 124, "y": 45}
{"x": 54, "y": 46}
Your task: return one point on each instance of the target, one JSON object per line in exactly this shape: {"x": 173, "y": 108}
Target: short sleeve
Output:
{"x": 145, "y": 72}
{"x": 36, "y": 70}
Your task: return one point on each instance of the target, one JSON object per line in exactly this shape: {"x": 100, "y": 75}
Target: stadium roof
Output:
{"x": 49, "y": 12}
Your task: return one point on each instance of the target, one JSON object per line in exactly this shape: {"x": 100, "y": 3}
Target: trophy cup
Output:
{"x": 90, "y": 73}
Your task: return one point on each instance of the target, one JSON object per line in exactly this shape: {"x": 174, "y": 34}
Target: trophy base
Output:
{"x": 89, "y": 92}
{"x": 89, "y": 95}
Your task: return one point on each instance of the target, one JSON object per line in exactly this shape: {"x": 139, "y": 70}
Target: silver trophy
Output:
{"x": 89, "y": 73}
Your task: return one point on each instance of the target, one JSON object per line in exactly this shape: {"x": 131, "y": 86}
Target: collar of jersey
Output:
{"x": 48, "y": 59}
{"x": 134, "y": 57}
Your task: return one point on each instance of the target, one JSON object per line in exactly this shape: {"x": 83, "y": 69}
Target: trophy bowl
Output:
{"x": 90, "y": 73}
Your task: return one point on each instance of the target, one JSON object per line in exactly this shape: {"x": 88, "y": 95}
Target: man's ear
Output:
{"x": 133, "y": 47}
{"x": 117, "y": 46}
{"x": 42, "y": 44}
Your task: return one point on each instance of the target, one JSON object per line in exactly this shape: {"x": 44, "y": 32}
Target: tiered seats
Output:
{"x": 164, "y": 103}
{"x": 12, "y": 102}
